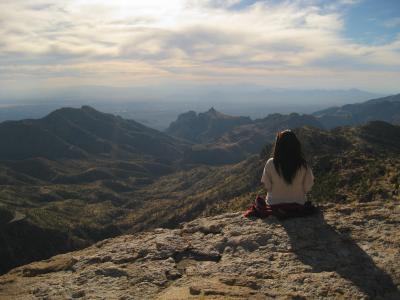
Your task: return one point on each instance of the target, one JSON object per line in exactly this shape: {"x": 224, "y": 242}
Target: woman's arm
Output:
{"x": 266, "y": 177}
{"x": 308, "y": 180}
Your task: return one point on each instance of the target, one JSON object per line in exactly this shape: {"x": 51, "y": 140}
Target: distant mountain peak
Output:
{"x": 212, "y": 112}
{"x": 68, "y": 111}
{"x": 206, "y": 126}
{"x": 88, "y": 108}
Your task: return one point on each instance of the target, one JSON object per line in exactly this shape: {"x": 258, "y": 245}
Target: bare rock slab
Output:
{"x": 347, "y": 252}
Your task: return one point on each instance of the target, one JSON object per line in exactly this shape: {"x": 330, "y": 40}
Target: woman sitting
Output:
{"x": 287, "y": 178}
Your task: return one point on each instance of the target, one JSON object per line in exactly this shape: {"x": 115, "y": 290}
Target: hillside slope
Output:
{"x": 80, "y": 133}
{"x": 204, "y": 127}
{"x": 346, "y": 252}
{"x": 351, "y": 164}
{"x": 382, "y": 109}
{"x": 359, "y": 164}
{"x": 67, "y": 174}
{"x": 244, "y": 140}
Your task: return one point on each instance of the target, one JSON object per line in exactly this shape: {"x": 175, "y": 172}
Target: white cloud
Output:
{"x": 129, "y": 41}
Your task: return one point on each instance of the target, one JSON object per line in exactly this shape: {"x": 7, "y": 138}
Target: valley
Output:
{"x": 78, "y": 175}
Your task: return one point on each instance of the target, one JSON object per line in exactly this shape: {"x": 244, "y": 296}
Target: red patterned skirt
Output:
{"x": 260, "y": 209}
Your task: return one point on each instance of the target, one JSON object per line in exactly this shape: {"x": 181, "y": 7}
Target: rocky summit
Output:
{"x": 347, "y": 251}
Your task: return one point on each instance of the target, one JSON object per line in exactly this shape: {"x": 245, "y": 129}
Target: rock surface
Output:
{"x": 345, "y": 252}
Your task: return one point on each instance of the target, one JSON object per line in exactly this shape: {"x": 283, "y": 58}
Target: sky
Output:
{"x": 284, "y": 44}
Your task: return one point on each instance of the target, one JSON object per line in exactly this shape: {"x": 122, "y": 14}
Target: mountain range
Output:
{"x": 244, "y": 140}
{"x": 384, "y": 109}
{"x": 78, "y": 176}
{"x": 217, "y": 143}
{"x": 158, "y": 106}
{"x": 211, "y": 125}
{"x": 204, "y": 127}
{"x": 64, "y": 174}
{"x": 79, "y": 133}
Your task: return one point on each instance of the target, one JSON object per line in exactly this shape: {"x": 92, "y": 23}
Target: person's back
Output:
{"x": 287, "y": 176}
{"x": 280, "y": 191}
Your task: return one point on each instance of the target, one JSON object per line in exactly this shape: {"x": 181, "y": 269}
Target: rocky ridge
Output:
{"x": 384, "y": 109}
{"x": 204, "y": 127}
{"x": 348, "y": 251}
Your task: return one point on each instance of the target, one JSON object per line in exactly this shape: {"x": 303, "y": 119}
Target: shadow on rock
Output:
{"x": 318, "y": 245}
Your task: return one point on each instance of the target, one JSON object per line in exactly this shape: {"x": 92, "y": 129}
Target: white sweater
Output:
{"x": 281, "y": 192}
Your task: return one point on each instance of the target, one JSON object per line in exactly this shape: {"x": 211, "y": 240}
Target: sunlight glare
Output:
{"x": 157, "y": 12}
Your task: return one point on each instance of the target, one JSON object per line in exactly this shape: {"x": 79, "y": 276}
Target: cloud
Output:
{"x": 393, "y": 22}
{"x": 130, "y": 41}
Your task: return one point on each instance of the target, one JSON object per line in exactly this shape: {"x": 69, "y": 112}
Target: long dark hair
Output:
{"x": 288, "y": 156}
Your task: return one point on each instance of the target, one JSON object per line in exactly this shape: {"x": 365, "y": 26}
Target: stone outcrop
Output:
{"x": 345, "y": 252}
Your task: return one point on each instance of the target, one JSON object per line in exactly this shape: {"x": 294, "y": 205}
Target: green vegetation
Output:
{"x": 73, "y": 202}
{"x": 245, "y": 140}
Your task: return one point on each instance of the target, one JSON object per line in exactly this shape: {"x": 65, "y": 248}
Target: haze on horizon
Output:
{"x": 302, "y": 44}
